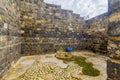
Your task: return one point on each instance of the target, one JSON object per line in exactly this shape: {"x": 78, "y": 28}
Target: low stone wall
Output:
{"x": 113, "y": 70}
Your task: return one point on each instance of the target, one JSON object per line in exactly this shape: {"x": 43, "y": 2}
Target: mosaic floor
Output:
{"x": 47, "y": 67}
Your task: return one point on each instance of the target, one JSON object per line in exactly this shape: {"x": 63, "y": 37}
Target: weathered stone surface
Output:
{"x": 10, "y": 41}
{"x": 97, "y": 44}
{"x": 114, "y": 28}
{"x": 113, "y": 70}
{"x": 8, "y": 53}
{"x": 114, "y": 49}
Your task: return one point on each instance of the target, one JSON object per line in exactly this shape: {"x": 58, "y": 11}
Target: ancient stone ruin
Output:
{"x": 33, "y": 27}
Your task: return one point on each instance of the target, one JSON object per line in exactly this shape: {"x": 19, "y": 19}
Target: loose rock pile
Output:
{"x": 51, "y": 71}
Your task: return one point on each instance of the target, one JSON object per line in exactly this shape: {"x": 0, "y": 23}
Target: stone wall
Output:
{"x": 9, "y": 52}
{"x": 10, "y": 42}
{"x": 96, "y": 34}
{"x": 97, "y": 44}
{"x": 37, "y": 45}
{"x": 114, "y": 31}
{"x": 98, "y": 25}
{"x": 113, "y": 70}
{"x": 49, "y": 21}
{"x": 114, "y": 18}
{"x": 49, "y": 28}
{"x": 114, "y": 54}
{"x": 114, "y": 48}
{"x": 114, "y": 41}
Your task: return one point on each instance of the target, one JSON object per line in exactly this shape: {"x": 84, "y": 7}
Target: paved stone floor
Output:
{"x": 47, "y": 67}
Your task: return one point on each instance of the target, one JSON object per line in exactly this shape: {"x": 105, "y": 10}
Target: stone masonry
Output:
{"x": 44, "y": 23}
{"x": 114, "y": 41}
{"x": 30, "y": 27}
{"x": 10, "y": 42}
{"x": 49, "y": 28}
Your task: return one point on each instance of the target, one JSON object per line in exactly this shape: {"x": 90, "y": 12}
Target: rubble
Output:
{"x": 50, "y": 71}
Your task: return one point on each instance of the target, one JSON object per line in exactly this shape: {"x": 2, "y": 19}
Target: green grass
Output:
{"x": 88, "y": 68}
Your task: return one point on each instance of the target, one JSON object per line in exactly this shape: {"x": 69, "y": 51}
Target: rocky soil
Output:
{"x": 47, "y": 67}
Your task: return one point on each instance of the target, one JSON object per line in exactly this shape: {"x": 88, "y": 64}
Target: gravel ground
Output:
{"x": 47, "y": 67}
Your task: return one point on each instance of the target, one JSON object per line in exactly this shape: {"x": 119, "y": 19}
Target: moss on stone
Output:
{"x": 88, "y": 68}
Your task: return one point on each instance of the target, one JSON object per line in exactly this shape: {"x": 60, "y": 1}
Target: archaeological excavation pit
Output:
{"x": 59, "y": 40}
